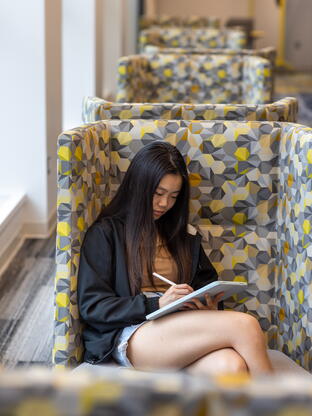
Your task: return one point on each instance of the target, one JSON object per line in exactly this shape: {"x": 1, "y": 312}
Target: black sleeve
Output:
{"x": 99, "y": 306}
{"x": 205, "y": 273}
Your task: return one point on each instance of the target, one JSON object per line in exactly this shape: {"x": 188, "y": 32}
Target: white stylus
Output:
{"x": 164, "y": 279}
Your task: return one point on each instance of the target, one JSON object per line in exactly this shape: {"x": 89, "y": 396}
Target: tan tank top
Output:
{"x": 164, "y": 265}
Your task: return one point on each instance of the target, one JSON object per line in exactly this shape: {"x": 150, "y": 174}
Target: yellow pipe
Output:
{"x": 280, "y": 60}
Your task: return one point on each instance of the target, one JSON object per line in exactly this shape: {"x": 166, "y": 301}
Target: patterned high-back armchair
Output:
{"x": 96, "y": 109}
{"x": 194, "y": 79}
{"x": 251, "y": 198}
{"x": 177, "y": 37}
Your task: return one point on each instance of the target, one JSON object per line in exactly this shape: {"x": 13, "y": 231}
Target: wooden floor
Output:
{"x": 26, "y": 305}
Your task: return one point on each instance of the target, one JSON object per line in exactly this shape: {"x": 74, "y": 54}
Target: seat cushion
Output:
{"x": 283, "y": 364}
{"x": 280, "y": 361}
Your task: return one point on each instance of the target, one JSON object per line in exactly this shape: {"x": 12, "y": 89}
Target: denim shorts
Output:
{"x": 120, "y": 352}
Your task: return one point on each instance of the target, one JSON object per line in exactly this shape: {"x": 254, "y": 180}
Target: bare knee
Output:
{"x": 249, "y": 327}
{"x": 229, "y": 361}
{"x": 223, "y": 361}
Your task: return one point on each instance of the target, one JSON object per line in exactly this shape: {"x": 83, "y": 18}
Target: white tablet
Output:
{"x": 229, "y": 289}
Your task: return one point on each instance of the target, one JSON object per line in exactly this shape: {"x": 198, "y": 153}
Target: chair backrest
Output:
{"x": 177, "y": 37}
{"x": 96, "y": 109}
{"x": 189, "y": 21}
{"x": 268, "y": 53}
{"x": 194, "y": 79}
{"x": 249, "y": 200}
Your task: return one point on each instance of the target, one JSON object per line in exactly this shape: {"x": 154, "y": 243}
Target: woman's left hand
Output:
{"x": 211, "y": 303}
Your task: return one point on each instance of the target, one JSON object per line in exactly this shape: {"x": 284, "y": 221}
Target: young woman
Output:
{"x": 145, "y": 229}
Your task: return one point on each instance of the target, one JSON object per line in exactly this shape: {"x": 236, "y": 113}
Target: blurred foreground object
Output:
{"x": 123, "y": 392}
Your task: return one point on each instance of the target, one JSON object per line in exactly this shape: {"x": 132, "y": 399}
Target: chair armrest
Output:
{"x": 294, "y": 244}
{"x": 93, "y": 108}
{"x": 285, "y": 109}
{"x": 133, "y": 82}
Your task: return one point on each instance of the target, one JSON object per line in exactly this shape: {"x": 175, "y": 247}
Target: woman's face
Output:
{"x": 166, "y": 194}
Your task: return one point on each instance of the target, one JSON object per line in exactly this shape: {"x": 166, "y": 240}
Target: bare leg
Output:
{"x": 178, "y": 340}
{"x": 221, "y": 361}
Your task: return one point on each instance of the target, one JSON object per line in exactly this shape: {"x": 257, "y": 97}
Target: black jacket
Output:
{"x": 105, "y": 302}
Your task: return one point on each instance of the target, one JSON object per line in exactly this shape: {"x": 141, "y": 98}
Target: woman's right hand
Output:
{"x": 173, "y": 293}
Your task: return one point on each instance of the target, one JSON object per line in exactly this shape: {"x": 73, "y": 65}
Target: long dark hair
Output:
{"x": 134, "y": 202}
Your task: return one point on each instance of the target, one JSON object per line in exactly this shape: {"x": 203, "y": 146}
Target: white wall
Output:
{"x": 31, "y": 48}
{"x": 25, "y": 145}
{"x": 99, "y": 47}
{"x": 221, "y": 8}
{"x": 79, "y": 59}
{"x": 118, "y": 37}
{"x": 53, "y": 84}
{"x": 130, "y": 25}
{"x": 112, "y": 41}
{"x": 33, "y": 76}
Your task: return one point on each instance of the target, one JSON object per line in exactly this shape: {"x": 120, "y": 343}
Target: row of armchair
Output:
{"x": 194, "y": 75}
{"x": 250, "y": 175}
{"x": 232, "y": 86}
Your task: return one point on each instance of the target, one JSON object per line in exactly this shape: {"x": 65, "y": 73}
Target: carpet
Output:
{"x": 27, "y": 304}
{"x": 304, "y": 105}
{"x": 305, "y": 109}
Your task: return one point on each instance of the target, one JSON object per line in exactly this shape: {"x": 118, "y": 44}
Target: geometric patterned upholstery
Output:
{"x": 251, "y": 198}
{"x": 189, "y": 21}
{"x": 194, "y": 79}
{"x": 268, "y": 53}
{"x": 294, "y": 248}
{"x": 96, "y": 109}
{"x": 111, "y": 390}
{"x": 181, "y": 37}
